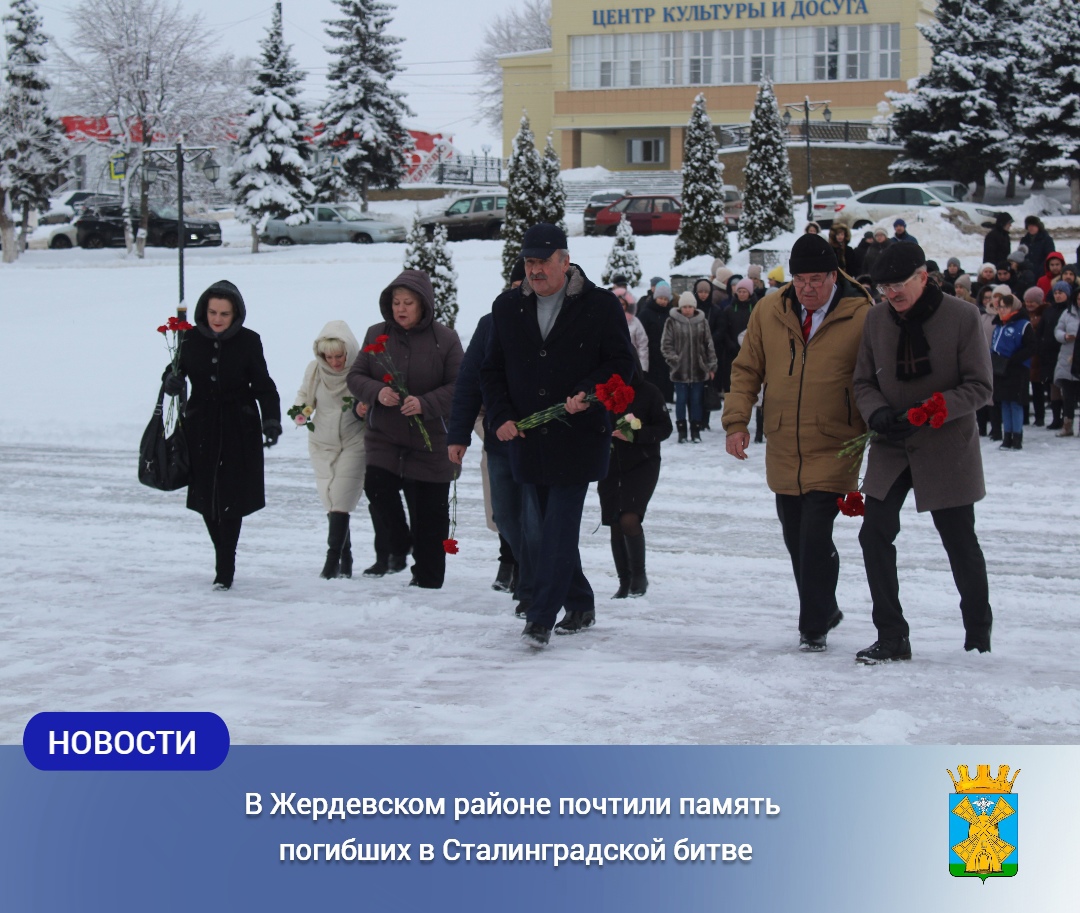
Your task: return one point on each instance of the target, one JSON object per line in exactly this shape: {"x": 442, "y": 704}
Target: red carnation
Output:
{"x": 162, "y": 329}
{"x": 937, "y": 419}
{"x": 918, "y": 415}
{"x": 375, "y": 348}
{"x": 615, "y": 395}
{"x": 184, "y": 325}
{"x": 450, "y": 546}
{"x": 938, "y": 402}
{"x": 383, "y": 339}
{"x": 388, "y": 378}
{"x": 852, "y": 505}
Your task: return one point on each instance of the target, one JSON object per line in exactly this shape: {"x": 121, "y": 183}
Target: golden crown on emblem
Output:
{"x": 983, "y": 782}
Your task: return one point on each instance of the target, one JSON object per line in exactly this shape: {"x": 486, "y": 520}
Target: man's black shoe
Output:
{"x": 394, "y": 564}
{"x": 378, "y": 569}
{"x": 817, "y": 642}
{"x": 521, "y": 610}
{"x": 504, "y": 580}
{"x": 535, "y": 635}
{"x": 576, "y": 621}
{"x": 884, "y": 651}
{"x": 982, "y": 644}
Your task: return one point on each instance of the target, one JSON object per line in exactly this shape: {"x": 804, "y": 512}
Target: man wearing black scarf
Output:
{"x": 916, "y": 343}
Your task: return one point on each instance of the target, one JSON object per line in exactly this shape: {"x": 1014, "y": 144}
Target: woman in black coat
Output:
{"x": 629, "y": 485}
{"x": 232, "y": 406}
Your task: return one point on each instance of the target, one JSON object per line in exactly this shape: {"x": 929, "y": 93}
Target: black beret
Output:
{"x": 812, "y": 254}
{"x": 897, "y": 263}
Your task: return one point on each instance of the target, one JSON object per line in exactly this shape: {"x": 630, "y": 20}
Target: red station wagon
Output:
{"x": 648, "y": 215}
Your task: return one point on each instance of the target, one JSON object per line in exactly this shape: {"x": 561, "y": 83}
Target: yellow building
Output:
{"x": 617, "y": 85}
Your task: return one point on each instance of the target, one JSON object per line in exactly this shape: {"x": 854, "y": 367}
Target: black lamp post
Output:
{"x": 178, "y": 156}
{"x": 806, "y": 106}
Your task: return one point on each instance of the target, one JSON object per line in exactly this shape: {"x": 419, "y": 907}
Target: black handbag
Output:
{"x": 163, "y": 460}
{"x": 1000, "y": 364}
{"x": 713, "y": 400}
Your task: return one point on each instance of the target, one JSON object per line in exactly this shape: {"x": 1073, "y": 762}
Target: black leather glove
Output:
{"x": 891, "y": 423}
{"x": 174, "y": 384}
{"x": 271, "y": 429}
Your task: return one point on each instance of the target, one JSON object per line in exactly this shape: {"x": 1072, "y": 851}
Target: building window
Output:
{"x": 701, "y": 58}
{"x": 670, "y": 58}
{"x": 644, "y": 151}
{"x": 762, "y": 53}
{"x": 889, "y": 46}
{"x": 857, "y": 60}
{"x": 827, "y": 53}
{"x": 732, "y": 59}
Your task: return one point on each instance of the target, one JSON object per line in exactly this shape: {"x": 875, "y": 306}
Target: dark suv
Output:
{"x": 476, "y": 216}
{"x": 103, "y": 226}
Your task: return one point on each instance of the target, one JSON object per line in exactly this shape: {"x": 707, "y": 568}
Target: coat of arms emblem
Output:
{"x": 983, "y": 823}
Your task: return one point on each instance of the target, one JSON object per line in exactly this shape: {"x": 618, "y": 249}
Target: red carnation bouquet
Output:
{"x": 174, "y": 326}
{"x": 450, "y": 546}
{"x": 615, "y": 395}
{"x": 394, "y": 379}
{"x": 852, "y": 505}
{"x": 932, "y": 412}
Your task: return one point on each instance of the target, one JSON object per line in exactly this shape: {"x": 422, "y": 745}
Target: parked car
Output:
{"x": 955, "y": 189}
{"x": 53, "y": 237}
{"x": 887, "y": 201}
{"x": 333, "y": 224}
{"x": 102, "y": 225}
{"x": 67, "y": 206}
{"x": 478, "y": 215}
{"x": 601, "y": 199}
{"x": 648, "y": 215}
{"x": 733, "y": 206}
{"x": 823, "y": 201}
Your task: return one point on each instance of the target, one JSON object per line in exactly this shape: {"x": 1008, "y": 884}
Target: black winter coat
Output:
{"x": 469, "y": 395}
{"x": 524, "y": 373}
{"x": 230, "y": 386}
{"x": 1048, "y": 346}
{"x": 1040, "y": 246}
{"x": 734, "y": 321}
{"x": 653, "y": 317}
{"x": 996, "y": 246}
{"x": 635, "y": 465}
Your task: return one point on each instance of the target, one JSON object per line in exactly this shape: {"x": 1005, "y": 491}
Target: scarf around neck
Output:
{"x": 912, "y": 349}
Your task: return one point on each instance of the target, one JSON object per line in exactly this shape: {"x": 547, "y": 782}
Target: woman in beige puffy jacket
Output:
{"x": 336, "y": 438}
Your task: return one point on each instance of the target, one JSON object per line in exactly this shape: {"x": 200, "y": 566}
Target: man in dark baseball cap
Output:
{"x": 542, "y": 240}
{"x": 802, "y": 341}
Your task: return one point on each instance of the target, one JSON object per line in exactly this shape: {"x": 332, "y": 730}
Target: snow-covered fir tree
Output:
{"x": 365, "y": 143}
{"x": 1049, "y": 119}
{"x": 767, "y": 202}
{"x": 432, "y": 255}
{"x": 951, "y": 122}
{"x": 702, "y": 229}
{"x": 553, "y": 193}
{"x": 33, "y": 143}
{"x": 623, "y": 259}
{"x": 524, "y": 190}
{"x": 270, "y": 177}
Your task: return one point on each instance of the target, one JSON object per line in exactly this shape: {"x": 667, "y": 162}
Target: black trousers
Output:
{"x": 225, "y": 534}
{"x": 428, "y": 524}
{"x": 807, "y": 521}
{"x": 956, "y": 526}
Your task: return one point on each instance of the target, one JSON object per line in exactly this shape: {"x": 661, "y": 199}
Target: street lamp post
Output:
{"x": 487, "y": 151}
{"x": 806, "y": 106}
{"x": 178, "y": 156}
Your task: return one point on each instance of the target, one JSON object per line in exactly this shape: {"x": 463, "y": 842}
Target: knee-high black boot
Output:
{"x": 224, "y": 534}
{"x": 635, "y": 550}
{"x": 335, "y": 541}
{"x": 622, "y": 562}
{"x": 346, "y": 551}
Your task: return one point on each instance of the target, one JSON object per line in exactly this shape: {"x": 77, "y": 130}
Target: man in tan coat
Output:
{"x": 919, "y": 342}
{"x": 801, "y": 344}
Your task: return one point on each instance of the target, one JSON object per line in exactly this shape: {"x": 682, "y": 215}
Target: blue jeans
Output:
{"x": 696, "y": 392}
{"x": 507, "y": 508}
{"x": 1012, "y": 417}
{"x": 553, "y": 523}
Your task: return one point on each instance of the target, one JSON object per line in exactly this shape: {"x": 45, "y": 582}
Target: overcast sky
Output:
{"x": 440, "y": 40}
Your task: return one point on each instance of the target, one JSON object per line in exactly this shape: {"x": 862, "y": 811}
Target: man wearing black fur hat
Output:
{"x": 801, "y": 342}
{"x": 917, "y": 343}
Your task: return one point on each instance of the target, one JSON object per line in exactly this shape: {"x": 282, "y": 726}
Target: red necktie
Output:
{"x": 806, "y": 325}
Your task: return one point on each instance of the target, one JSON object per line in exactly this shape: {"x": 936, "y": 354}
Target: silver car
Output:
{"x": 334, "y": 224}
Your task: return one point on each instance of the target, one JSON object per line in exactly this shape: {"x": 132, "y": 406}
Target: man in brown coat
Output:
{"x": 801, "y": 344}
{"x": 918, "y": 342}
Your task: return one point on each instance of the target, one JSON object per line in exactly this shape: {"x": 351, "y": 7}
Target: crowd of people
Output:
{"x": 856, "y": 338}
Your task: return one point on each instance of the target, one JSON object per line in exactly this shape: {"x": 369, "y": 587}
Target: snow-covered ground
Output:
{"x": 106, "y": 603}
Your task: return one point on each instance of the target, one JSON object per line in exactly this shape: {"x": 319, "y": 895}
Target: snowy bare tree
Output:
{"x": 154, "y": 69}
{"x": 35, "y": 147}
{"x": 270, "y": 177}
{"x": 365, "y": 142}
{"x": 525, "y": 29}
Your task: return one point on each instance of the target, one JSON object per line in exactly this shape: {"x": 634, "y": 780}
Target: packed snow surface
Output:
{"x": 107, "y": 603}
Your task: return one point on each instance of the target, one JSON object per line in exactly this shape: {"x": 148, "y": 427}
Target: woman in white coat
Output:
{"x": 336, "y": 438}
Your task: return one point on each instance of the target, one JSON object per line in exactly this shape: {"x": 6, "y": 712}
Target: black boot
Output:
{"x": 346, "y": 553}
{"x": 224, "y": 534}
{"x": 635, "y": 550}
{"x": 759, "y": 425}
{"x": 622, "y": 563}
{"x": 504, "y": 579}
{"x": 1006, "y": 441}
{"x": 1055, "y": 411}
{"x": 1018, "y": 440}
{"x": 695, "y": 432}
{"x": 335, "y": 542}
{"x": 681, "y": 426}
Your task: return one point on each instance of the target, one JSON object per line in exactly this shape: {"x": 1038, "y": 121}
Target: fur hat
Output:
{"x": 897, "y": 263}
{"x": 687, "y": 300}
{"x": 812, "y": 254}
{"x": 988, "y": 266}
